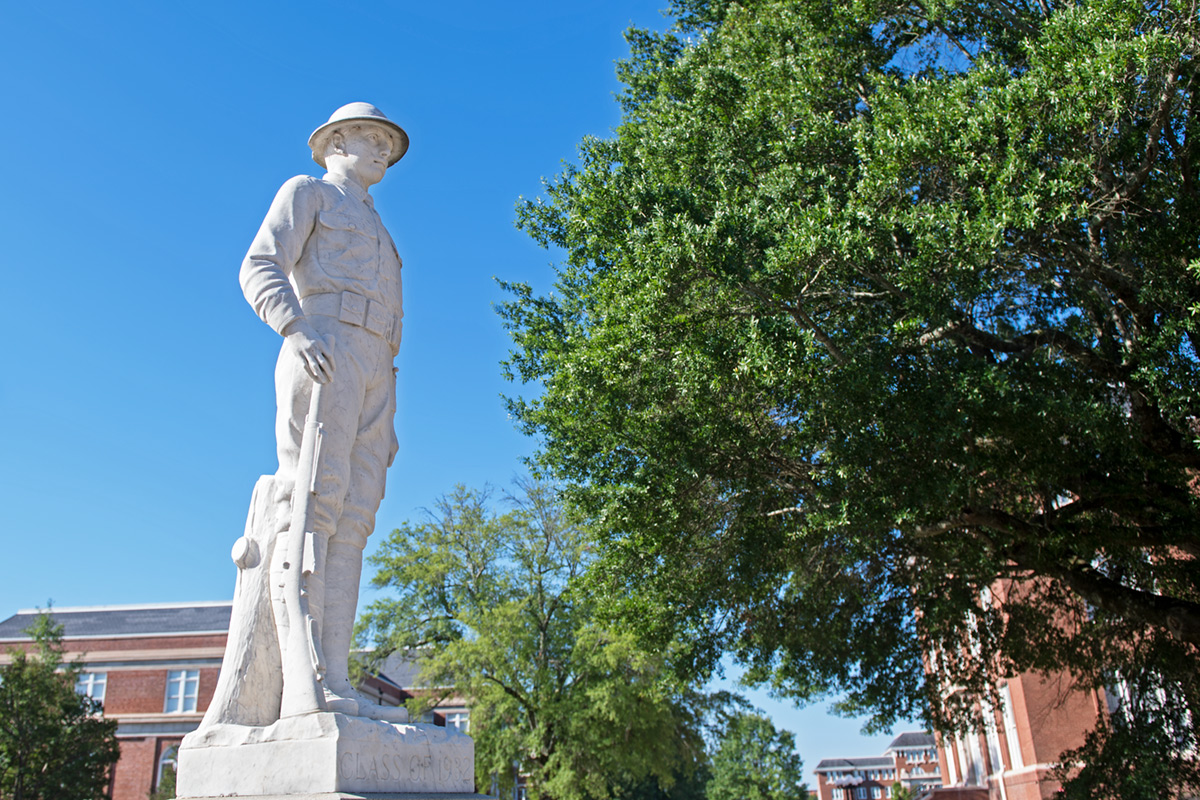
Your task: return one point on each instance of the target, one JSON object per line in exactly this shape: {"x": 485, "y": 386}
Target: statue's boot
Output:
{"x": 343, "y": 569}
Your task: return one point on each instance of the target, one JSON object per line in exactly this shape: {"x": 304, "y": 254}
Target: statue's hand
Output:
{"x": 312, "y": 349}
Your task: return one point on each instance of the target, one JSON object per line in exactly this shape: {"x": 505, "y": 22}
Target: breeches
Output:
{"x": 358, "y": 442}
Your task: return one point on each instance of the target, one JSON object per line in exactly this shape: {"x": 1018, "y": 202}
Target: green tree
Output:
{"x": 1144, "y": 748}
{"x": 900, "y": 792}
{"x": 492, "y": 603}
{"x": 54, "y": 743}
{"x": 876, "y": 338}
{"x": 754, "y": 761}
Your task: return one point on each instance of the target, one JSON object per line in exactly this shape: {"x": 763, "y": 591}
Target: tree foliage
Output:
{"x": 754, "y": 761}
{"x": 54, "y": 744}
{"x": 874, "y": 309}
{"x": 492, "y": 605}
{"x": 1146, "y": 746}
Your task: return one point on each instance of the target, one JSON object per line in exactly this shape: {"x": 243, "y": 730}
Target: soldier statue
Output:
{"x": 324, "y": 274}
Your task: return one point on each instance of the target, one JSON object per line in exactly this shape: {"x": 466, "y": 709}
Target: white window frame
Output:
{"x": 951, "y": 747}
{"x": 459, "y": 720}
{"x": 976, "y": 776}
{"x": 169, "y": 758}
{"x": 992, "y": 734}
{"x": 93, "y": 685}
{"x": 183, "y": 691}
{"x": 1010, "y": 728}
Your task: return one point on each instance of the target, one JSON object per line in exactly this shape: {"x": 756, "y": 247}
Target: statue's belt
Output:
{"x": 353, "y": 309}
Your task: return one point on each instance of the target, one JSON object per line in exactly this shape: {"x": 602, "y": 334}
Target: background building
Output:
{"x": 911, "y": 759}
{"x": 155, "y": 667}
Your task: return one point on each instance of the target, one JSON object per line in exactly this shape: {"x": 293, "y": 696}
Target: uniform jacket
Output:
{"x": 321, "y": 236}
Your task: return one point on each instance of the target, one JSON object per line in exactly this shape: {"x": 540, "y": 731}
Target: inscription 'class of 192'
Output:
{"x": 405, "y": 770}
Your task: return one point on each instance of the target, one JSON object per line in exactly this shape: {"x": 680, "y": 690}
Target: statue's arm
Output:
{"x": 275, "y": 250}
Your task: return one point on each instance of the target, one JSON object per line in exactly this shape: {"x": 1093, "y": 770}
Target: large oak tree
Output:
{"x": 876, "y": 337}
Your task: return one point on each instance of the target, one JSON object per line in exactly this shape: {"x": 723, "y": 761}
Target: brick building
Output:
{"x": 911, "y": 759}
{"x": 155, "y": 668}
{"x": 1011, "y": 757}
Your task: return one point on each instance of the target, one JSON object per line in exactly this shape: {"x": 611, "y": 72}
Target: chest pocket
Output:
{"x": 346, "y": 246}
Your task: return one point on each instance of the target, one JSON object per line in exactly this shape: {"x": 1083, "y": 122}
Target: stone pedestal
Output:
{"x": 326, "y": 754}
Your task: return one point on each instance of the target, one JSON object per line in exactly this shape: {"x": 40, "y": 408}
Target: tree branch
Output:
{"x": 1181, "y": 618}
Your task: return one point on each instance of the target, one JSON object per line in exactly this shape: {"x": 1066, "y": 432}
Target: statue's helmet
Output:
{"x": 350, "y": 114}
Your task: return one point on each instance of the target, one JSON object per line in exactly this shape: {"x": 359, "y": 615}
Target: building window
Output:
{"x": 1010, "y": 728}
{"x": 861, "y": 793}
{"x": 993, "y": 738}
{"x": 975, "y": 773}
{"x": 183, "y": 687}
{"x": 164, "y": 782}
{"x": 92, "y": 684}
{"x": 950, "y": 747}
{"x": 838, "y": 794}
{"x": 876, "y": 792}
{"x": 459, "y": 720}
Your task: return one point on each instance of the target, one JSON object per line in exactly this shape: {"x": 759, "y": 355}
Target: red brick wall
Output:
{"x": 1059, "y": 717}
{"x": 135, "y": 770}
{"x": 147, "y": 643}
{"x": 208, "y": 687}
{"x": 135, "y": 691}
{"x": 143, "y": 691}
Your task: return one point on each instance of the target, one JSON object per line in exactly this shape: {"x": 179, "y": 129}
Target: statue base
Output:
{"x": 326, "y": 755}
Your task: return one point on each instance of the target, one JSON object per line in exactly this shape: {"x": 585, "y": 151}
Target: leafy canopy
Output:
{"x": 54, "y": 743}
{"x": 492, "y": 606}
{"x": 876, "y": 337}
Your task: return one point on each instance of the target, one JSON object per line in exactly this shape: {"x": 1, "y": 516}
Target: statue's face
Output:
{"x": 365, "y": 152}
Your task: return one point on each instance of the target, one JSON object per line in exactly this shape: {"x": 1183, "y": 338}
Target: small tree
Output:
{"x": 901, "y": 792}
{"x": 755, "y": 761}
{"x": 54, "y": 744}
{"x": 495, "y": 605}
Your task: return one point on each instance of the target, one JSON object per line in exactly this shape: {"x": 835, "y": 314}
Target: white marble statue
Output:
{"x": 323, "y": 273}
{"x": 323, "y": 269}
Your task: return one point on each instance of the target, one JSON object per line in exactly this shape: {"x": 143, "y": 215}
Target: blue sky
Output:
{"x": 145, "y": 141}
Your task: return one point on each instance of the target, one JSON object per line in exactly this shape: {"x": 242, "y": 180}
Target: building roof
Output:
{"x": 912, "y": 739}
{"x": 868, "y": 762}
{"x": 164, "y": 619}
{"x": 158, "y": 619}
{"x": 402, "y": 669}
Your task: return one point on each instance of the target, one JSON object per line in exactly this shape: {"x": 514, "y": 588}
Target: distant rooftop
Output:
{"x": 401, "y": 669}
{"x": 158, "y": 619}
{"x": 163, "y": 619}
{"x": 912, "y": 739}
{"x": 868, "y": 762}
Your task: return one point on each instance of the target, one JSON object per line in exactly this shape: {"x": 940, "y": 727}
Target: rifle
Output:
{"x": 303, "y": 662}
